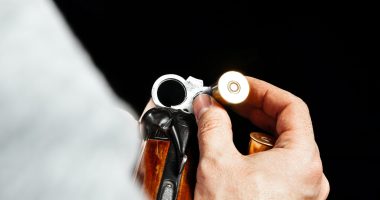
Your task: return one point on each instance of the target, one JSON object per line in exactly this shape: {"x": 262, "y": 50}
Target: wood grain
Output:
{"x": 188, "y": 180}
{"x": 152, "y": 166}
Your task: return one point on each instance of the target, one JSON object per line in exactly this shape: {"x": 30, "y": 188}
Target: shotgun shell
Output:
{"x": 231, "y": 88}
{"x": 260, "y": 142}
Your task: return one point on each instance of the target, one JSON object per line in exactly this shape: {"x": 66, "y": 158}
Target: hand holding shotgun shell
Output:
{"x": 292, "y": 169}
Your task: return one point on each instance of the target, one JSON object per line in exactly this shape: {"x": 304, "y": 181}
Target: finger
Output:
{"x": 262, "y": 120}
{"x": 214, "y": 127}
{"x": 325, "y": 189}
{"x": 290, "y": 115}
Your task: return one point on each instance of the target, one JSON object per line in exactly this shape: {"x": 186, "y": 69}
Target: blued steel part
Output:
{"x": 168, "y": 191}
{"x": 170, "y": 174}
{"x": 155, "y": 123}
{"x": 176, "y": 159}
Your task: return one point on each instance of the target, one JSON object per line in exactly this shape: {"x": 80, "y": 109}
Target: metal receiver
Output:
{"x": 231, "y": 88}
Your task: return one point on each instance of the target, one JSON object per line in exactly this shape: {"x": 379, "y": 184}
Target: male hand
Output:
{"x": 291, "y": 170}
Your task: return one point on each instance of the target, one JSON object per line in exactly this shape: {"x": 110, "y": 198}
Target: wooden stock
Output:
{"x": 152, "y": 165}
{"x": 153, "y": 160}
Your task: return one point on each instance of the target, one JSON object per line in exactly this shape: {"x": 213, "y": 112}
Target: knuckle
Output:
{"x": 326, "y": 186}
{"x": 207, "y": 168}
{"x": 201, "y": 172}
{"x": 301, "y": 103}
{"x": 313, "y": 163}
{"x": 297, "y": 100}
{"x": 316, "y": 169}
{"x": 209, "y": 124}
{"x": 214, "y": 119}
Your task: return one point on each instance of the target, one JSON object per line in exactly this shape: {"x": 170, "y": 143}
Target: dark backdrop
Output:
{"x": 320, "y": 58}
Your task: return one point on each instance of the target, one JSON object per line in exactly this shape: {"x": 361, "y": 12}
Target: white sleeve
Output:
{"x": 63, "y": 133}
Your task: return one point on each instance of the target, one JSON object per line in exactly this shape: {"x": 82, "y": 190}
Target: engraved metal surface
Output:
{"x": 168, "y": 192}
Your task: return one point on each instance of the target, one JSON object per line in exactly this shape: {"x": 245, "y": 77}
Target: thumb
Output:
{"x": 214, "y": 127}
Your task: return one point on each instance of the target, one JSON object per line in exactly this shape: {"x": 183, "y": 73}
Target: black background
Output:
{"x": 320, "y": 58}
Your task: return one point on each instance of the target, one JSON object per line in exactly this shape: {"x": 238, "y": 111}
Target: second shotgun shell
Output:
{"x": 260, "y": 142}
{"x": 231, "y": 88}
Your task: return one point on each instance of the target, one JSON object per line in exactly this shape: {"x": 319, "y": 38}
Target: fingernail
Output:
{"x": 201, "y": 104}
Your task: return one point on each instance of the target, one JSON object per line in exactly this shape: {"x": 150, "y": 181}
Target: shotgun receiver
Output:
{"x": 168, "y": 162}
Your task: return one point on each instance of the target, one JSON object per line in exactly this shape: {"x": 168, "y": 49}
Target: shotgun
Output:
{"x": 166, "y": 169}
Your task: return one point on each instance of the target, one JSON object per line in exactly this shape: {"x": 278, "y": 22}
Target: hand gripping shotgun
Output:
{"x": 167, "y": 165}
